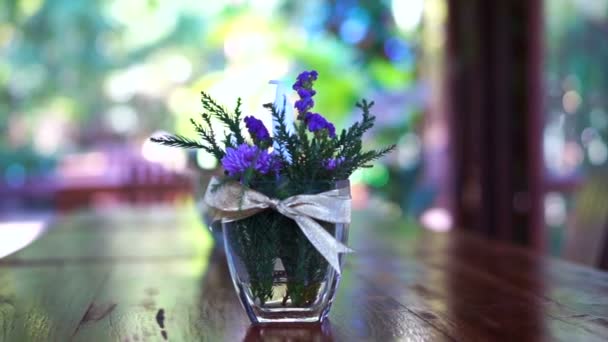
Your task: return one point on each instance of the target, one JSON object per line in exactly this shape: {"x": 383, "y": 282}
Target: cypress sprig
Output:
{"x": 232, "y": 122}
{"x": 178, "y": 141}
{"x": 208, "y": 135}
{"x": 350, "y": 147}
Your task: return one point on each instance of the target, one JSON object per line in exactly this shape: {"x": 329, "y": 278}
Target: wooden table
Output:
{"x": 154, "y": 274}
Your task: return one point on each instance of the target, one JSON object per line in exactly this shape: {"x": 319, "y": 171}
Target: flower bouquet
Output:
{"x": 284, "y": 201}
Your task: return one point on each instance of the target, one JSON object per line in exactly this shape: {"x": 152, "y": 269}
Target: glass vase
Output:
{"x": 278, "y": 274}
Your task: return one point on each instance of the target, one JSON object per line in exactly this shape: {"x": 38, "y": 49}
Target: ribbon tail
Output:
{"x": 326, "y": 244}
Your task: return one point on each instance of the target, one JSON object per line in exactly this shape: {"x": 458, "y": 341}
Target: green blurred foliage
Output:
{"x": 577, "y": 74}
{"x": 576, "y": 128}
{"x": 74, "y": 73}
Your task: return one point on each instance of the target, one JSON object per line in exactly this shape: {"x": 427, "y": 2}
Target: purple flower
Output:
{"x": 268, "y": 162}
{"x": 306, "y": 93}
{"x": 256, "y": 129}
{"x": 305, "y": 79}
{"x": 316, "y": 122}
{"x": 275, "y": 162}
{"x": 238, "y": 160}
{"x": 331, "y": 130}
{"x": 303, "y": 86}
{"x": 304, "y": 104}
{"x": 332, "y": 163}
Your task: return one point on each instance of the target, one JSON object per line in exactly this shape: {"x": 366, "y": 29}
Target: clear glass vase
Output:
{"x": 278, "y": 274}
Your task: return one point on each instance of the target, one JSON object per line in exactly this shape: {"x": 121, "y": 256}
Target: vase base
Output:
{"x": 290, "y": 332}
{"x": 309, "y": 315}
{"x": 287, "y": 321}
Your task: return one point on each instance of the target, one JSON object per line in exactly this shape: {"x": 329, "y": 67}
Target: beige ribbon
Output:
{"x": 233, "y": 202}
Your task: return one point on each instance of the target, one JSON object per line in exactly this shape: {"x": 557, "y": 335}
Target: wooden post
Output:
{"x": 495, "y": 98}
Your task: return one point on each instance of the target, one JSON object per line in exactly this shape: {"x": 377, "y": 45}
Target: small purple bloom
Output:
{"x": 305, "y": 79}
{"x": 302, "y": 77}
{"x": 316, "y": 122}
{"x": 331, "y": 129}
{"x": 305, "y": 93}
{"x": 238, "y": 160}
{"x": 267, "y": 162}
{"x": 275, "y": 163}
{"x": 308, "y": 76}
{"x": 304, "y": 104}
{"x": 256, "y": 129}
{"x": 332, "y": 163}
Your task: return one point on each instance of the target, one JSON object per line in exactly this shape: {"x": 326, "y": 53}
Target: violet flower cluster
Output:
{"x": 256, "y": 129}
{"x": 303, "y": 87}
{"x": 244, "y": 157}
{"x": 238, "y": 160}
{"x": 314, "y": 121}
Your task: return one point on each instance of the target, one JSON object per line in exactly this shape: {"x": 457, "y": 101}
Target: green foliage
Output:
{"x": 304, "y": 265}
{"x": 178, "y": 141}
{"x": 207, "y": 135}
{"x": 262, "y": 239}
{"x": 255, "y": 240}
{"x": 232, "y": 122}
{"x": 350, "y": 143}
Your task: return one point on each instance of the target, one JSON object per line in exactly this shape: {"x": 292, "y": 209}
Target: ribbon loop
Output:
{"x": 233, "y": 202}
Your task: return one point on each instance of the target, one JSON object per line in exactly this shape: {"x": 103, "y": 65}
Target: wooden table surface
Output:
{"x": 154, "y": 274}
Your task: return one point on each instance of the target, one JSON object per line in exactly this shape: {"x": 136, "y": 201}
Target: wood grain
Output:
{"x": 154, "y": 275}
{"x": 45, "y": 303}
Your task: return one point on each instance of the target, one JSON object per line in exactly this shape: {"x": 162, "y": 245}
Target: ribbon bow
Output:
{"x": 233, "y": 202}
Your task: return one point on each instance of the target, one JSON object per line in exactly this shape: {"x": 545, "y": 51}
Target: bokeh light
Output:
{"x": 555, "y": 209}
{"x": 407, "y": 13}
{"x": 571, "y": 101}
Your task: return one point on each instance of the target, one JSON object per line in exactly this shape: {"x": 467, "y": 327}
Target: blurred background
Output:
{"x": 499, "y": 111}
